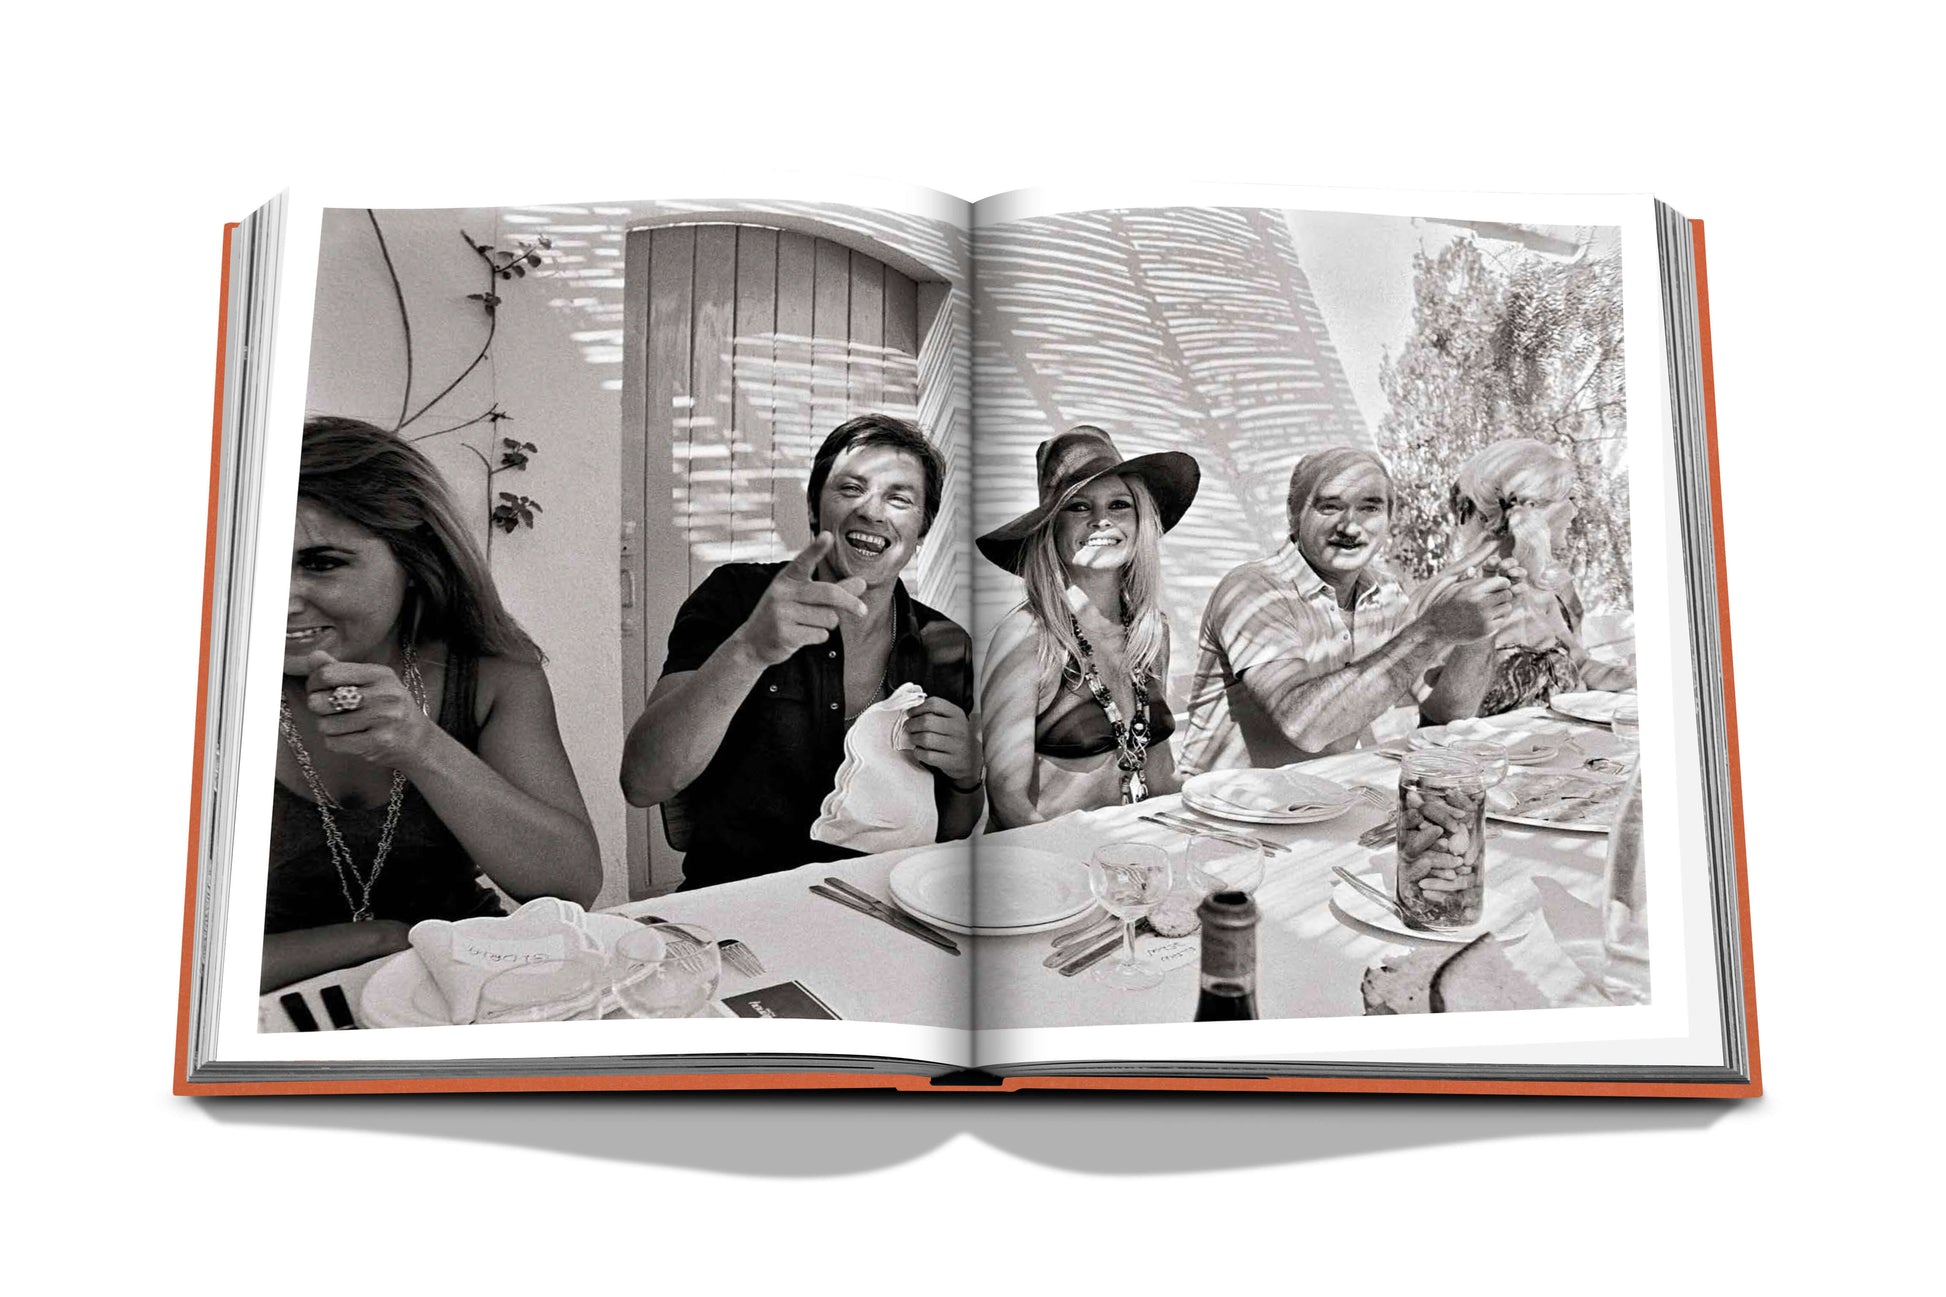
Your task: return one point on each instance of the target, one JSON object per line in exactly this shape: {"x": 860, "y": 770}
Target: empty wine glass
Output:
{"x": 1129, "y": 879}
{"x": 543, "y": 991}
{"x": 665, "y": 970}
{"x": 1626, "y": 725}
{"x": 1219, "y": 866}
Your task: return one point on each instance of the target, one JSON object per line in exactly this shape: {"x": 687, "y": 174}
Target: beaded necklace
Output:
{"x": 1131, "y": 738}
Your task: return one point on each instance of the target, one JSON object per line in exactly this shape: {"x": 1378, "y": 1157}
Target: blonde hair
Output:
{"x": 1046, "y": 575}
{"x": 1486, "y": 485}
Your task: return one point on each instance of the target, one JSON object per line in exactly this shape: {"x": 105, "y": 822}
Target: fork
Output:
{"x": 1373, "y": 798}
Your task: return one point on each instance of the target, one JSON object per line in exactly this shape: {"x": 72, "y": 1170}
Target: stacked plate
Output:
{"x": 1576, "y": 802}
{"x": 1267, "y": 796}
{"x": 1021, "y": 891}
{"x": 1593, "y": 705}
{"x": 1523, "y": 748}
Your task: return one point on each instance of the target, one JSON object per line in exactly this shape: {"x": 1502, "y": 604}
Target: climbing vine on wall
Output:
{"x": 507, "y": 511}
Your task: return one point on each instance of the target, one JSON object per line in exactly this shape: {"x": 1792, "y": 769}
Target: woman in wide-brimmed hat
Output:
{"x": 1072, "y": 710}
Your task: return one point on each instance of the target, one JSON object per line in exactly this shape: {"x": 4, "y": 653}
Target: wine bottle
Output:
{"x": 1229, "y": 973}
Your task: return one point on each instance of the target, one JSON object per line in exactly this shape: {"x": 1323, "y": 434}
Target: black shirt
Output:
{"x": 750, "y": 812}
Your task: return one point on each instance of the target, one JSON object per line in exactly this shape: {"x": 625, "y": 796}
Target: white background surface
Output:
{"x": 1805, "y": 148}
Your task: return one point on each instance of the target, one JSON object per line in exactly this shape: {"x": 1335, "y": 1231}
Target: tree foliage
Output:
{"x": 1519, "y": 345}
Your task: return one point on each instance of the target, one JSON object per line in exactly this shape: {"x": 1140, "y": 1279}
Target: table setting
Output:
{"x": 1090, "y": 918}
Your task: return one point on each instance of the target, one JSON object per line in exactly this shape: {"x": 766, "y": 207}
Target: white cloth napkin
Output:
{"x": 462, "y": 956}
{"x": 882, "y": 797}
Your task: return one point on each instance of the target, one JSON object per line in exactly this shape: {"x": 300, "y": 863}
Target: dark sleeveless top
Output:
{"x": 1084, "y": 730}
{"x": 427, "y": 874}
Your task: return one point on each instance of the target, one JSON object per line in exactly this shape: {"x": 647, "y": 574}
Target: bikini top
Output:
{"x": 1084, "y": 731}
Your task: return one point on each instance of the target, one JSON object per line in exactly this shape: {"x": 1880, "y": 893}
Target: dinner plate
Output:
{"x": 1593, "y": 705}
{"x": 401, "y": 993}
{"x": 1502, "y": 916}
{"x": 1020, "y": 890}
{"x": 1573, "y": 813}
{"x": 1259, "y": 796}
{"x": 1522, "y": 749}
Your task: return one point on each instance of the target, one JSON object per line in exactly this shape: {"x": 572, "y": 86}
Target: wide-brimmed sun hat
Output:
{"x": 1066, "y": 463}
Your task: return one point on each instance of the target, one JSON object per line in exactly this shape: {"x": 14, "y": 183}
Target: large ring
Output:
{"x": 347, "y": 698}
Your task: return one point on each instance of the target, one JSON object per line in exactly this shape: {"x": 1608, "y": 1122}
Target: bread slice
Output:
{"x": 1439, "y": 979}
{"x": 1480, "y": 977}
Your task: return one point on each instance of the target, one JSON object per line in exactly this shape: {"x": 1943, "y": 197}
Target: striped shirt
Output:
{"x": 1278, "y": 609}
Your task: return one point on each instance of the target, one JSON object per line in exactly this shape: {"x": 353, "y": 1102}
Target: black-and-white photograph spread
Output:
{"x": 1117, "y": 617}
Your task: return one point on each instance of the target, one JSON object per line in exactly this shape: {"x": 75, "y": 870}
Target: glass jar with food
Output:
{"x": 1441, "y": 879}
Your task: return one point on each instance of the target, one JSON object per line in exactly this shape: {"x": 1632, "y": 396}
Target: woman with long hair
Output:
{"x": 1073, "y": 713}
{"x": 1513, "y": 502}
{"x": 418, "y": 745}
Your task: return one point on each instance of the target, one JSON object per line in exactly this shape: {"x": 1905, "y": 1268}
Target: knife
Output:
{"x": 919, "y": 926}
{"x": 1183, "y": 824}
{"x": 870, "y": 913}
{"x": 1189, "y": 821}
{"x": 1082, "y": 963}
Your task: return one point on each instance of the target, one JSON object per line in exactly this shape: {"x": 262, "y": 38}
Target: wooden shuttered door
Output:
{"x": 744, "y": 347}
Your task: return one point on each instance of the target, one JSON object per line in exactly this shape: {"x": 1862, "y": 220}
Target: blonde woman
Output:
{"x": 1513, "y": 503}
{"x": 1072, "y": 711}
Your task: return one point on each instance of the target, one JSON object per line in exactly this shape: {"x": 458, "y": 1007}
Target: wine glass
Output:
{"x": 1219, "y": 866}
{"x": 554, "y": 990}
{"x": 665, "y": 970}
{"x": 1129, "y": 879}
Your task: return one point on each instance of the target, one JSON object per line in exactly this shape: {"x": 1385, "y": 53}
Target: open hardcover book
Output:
{"x": 1219, "y": 637}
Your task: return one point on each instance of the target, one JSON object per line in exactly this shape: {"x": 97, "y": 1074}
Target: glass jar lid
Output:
{"x": 1442, "y": 768}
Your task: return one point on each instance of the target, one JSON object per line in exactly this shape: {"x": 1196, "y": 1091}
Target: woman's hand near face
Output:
{"x": 388, "y": 728}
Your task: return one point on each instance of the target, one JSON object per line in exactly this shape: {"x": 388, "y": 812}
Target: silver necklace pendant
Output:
{"x": 362, "y": 915}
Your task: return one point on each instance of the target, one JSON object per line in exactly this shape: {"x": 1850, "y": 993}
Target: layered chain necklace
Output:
{"x": 1132, "y": 737}
{"x": 361, "y": 906}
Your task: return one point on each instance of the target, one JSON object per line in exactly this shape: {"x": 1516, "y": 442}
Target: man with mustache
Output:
{"x": 769, "y": 663}
{"x": 1300, "y": 652}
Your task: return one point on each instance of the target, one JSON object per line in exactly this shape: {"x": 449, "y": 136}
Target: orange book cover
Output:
{"x": 513, "y": 1082}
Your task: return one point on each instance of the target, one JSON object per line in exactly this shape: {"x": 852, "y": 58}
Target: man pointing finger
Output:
{"x": 768, "y": 663}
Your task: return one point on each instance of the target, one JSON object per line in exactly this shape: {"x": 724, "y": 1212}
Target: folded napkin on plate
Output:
{"x": 1273, "y": 790}
{"x": 462, "y": 956}
{"x": 1523, "y": 746}
{"x": 882, "y": 797}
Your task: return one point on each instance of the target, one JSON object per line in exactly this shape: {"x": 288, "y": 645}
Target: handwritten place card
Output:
{"x": 1174, "y": 953}
{"x": 784, "y": 1000}
{"x": 505, "y": 952}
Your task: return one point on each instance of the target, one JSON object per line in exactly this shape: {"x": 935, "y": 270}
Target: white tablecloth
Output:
{"x": 1310, "y": 956}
